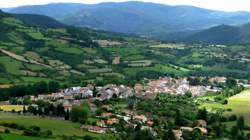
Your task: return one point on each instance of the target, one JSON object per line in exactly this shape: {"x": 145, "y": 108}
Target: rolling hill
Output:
{"x": 30, "y": 53}
{"x": 39, "y": 20}
{"x": 222, "y": 34}
{"x": 33, "y": 50}
{"x": 136, "y": 17}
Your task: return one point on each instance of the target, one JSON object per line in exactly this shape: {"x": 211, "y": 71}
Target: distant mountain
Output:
{"x": 145, "y": 19}
{"x": 222, "y": 34}
{"x": 39, "y": 20}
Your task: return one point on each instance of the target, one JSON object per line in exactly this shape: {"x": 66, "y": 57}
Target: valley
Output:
{"x": 128, "y": 75}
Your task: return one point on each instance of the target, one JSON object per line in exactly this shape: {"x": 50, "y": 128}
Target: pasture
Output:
{"x": 240, "y": 105}
{"x": 57, "y": 126}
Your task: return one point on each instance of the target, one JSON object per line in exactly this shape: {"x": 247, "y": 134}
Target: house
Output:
{"x": 177, "y": 134}
{"x": 107, "y": 115}
{"x": 201, "y": 123}
{"x": 41, "y": 97}
{"x": 94, "y": 129}
{"x": 140, "y": 118}
{"x": 101, "y": 124}
{"x": 32, "y": 98}
{"x": 150, "y": 123}
{"x": 218, "y": 79}
{"x": 113, "y": 91}
{"x": 186, "y": 129}
{"x": 112, "y": 121}
{"x": 106, "y": 108}
{"x": 68, "y": 97}
{"x": 202, "y": 130}
{"x": 67, "y": 106}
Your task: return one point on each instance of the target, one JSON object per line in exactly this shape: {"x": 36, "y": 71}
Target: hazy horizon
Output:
{"x": 221, "y": 5}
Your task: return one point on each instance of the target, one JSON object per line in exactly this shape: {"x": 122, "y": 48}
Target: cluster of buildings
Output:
{"x": 168, "y": 85}
{"x": 72, "y": 96}
{"x": 108, "y": 120}
{"x": 148, "y": 90}
{"x": 113, "y": 91}
{"x": 200, "y": 125}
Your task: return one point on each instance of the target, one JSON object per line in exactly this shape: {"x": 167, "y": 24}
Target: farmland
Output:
{"x": 85, "y": 55}
{"x": 10, "y": 108}
{"x": 239, "y": 104}
{"x": 58, "y": 127}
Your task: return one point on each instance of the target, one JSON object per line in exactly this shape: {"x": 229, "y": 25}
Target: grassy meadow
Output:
{"x": 57, "y": 126}
{"x": 239, "y": 104}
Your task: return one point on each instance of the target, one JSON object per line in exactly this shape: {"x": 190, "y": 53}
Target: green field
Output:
{"x": 20, "y": 137}
{"x": 58, "y": 127}
{"x": 240, "y": 105}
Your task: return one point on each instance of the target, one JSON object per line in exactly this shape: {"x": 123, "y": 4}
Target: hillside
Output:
{"x": 71, "y": 55}
{"x": 222, "y": 34}
{"x": 31, "y": 54}
{"x": 137, "y": 17}
{"x": 39, "y": 20}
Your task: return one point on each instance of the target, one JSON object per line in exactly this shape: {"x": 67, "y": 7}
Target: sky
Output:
{"x": 222, "y": 5}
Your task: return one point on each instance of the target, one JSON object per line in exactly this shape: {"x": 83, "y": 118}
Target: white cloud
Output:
{"x": 224, "y": 5}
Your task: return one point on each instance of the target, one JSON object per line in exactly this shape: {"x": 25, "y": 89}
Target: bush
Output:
{"x": 47, "y": 133}
{"x": 232, "y": 118}
{"x": 7, "y": 131}
{"x": 88, "y": 137}
{"x": 35, "y": 128}
{"x": 223, "y": 119}
{"x": 29, "y": 132}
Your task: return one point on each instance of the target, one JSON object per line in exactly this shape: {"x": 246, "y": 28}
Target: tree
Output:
{"x": 218, "y": 131}
{"x": 88, "y": 137}
{"x": 24, "y": 110}
{"x": 234, "y": 131}
{"x": 60, "y": 110}
{"x": 40, "y": 111}
{"x": 241, "y": 123}
{"x": 94, "y": 92}
{"x": 41, "y": 87}
{"x": 202, "y": 114}
{"x": 53, "y": 86}
{"x": 79, "y": 114}
{"x": 143, "y": 135}
{"x": 66, "y": 117}
{"x": 168, "y": 135}
{"x": 231, "y": 82}
{"x": 178, "y": 120}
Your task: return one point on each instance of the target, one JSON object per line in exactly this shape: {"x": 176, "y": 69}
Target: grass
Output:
{"x": 11, "y": 65}
{"x": 157, "y": 68}
{"x": 239, "y": 104}
{"x": 58, "y": 127}
{"x": 68, "y": 49}
{"x": 34, "y": 79}
{"x": 20, "y": 137}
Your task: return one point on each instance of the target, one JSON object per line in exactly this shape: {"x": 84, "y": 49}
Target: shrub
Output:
{"x": 232, "y": 118}
{"x": 35, "y": 128}
{"x": 7, "y": 131}
{"x": 88, "y": 137}
{"x": 47, "y": 133}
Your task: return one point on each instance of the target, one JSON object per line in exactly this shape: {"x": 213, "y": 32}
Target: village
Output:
{"x": 165, "y": 85}
{"x": 148, "y": 89}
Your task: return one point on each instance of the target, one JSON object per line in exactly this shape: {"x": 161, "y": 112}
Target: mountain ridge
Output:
{"x": 137, "y": 17}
